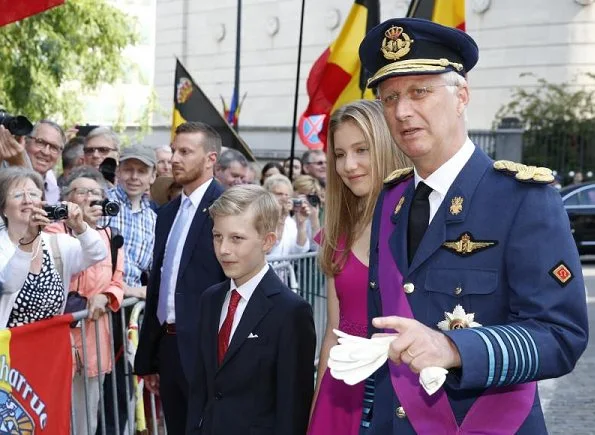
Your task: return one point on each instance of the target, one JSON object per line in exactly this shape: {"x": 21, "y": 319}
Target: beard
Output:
{"x": 191, "y": 172}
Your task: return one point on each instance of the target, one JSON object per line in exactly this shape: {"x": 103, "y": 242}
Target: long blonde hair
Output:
{"x": 345, "y": 213}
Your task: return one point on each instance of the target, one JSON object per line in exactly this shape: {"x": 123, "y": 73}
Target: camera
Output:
{"x": 56, "y": 212}
{"x": 84, "y": 130}
{"x": 16, "y": 125}
{"x": 297, "y": 202}
{"x": 313, "y": 199}
{"x": 108, "y": 208}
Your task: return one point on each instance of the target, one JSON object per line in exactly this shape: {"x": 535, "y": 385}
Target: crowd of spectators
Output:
{"x": 91, "y": 257}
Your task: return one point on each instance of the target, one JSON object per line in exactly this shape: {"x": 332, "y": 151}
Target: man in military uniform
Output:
{"x": 472, "y": 261}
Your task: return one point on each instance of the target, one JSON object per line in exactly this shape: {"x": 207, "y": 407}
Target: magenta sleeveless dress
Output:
{"x": 338, "y": 408}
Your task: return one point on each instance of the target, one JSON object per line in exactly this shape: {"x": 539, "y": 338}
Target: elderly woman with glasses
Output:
{"x": 102, "y": 285}
{"x": 34, "y": 288}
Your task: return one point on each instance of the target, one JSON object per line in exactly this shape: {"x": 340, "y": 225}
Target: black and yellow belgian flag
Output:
{"x": 191, "y": 104}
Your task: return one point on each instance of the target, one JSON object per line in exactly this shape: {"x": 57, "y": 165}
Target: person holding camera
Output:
{"x": 101, "y": 285}
{"x": 292, "y": 237}
{"x": 35, "y": 270}
{"x": 12, "y": 149}
{"x": 308, "y": 189}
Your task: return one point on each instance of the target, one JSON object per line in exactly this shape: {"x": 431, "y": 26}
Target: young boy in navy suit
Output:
{"x": 255, "y": 371}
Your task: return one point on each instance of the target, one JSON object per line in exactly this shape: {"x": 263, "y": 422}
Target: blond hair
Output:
{"x": 345, "y": 213}
{"x": 275, "y": 180}
{"x": 306, "y": 184}
{"x": 248, "y": 197}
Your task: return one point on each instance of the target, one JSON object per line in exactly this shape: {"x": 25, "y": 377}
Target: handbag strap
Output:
{"x": 56, "y": 255}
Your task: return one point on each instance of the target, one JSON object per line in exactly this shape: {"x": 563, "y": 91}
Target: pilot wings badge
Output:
{"x": 466, "y": 245}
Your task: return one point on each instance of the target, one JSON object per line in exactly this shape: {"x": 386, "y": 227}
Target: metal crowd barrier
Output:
{"x": 301, "y": 273}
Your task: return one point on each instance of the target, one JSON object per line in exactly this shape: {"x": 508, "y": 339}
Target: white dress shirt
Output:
{"x": 442, "y": 178}
{"x": 195, "y": 199}
{"x": 287, "y": 244}
{"x": 245, "y": 290}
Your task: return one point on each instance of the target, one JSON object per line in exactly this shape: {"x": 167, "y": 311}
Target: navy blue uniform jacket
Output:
{"x": 534, "y": 325}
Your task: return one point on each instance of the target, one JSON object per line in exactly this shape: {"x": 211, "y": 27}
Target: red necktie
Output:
{"x": 225, "y": 331}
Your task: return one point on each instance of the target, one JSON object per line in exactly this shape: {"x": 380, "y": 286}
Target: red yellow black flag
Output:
{"x": 336, "y": 78}
{"x": 191, "y": 104}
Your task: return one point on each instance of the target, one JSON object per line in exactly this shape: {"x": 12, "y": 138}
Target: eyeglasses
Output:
{"x": 84, "y": 191}
{"x": 41, "y": 144}
{"x": 19, "y": 195}
{"x": 414, "y": 94}
{"x": 320, "y": 163}
{"x": 101, "y": 150}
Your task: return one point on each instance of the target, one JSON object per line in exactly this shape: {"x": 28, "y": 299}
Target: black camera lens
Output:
{"x": 314, "y": 200}
{"x": 16, "y": 125}
{"x": 108, "y": 208}
{"x": 56, "y": 212}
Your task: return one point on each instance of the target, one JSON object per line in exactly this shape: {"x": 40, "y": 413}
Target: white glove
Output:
{"x": 356, "y": 358}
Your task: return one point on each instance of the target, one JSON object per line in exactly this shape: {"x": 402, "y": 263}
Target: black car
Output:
{"x": 579, "y": 202}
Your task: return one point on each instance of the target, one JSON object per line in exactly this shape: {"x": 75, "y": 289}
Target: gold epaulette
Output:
{"x": 398, "y": 175}
{"x": 524, "y": 173}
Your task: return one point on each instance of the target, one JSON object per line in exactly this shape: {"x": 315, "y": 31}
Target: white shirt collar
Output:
{"x": 196, "y": 196}
{"x": 246, "y": 289}
{"x": 442, "y": 178}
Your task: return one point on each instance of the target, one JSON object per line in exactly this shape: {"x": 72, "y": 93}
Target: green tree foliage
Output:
{"x": 559, "y": 122}
{"x": 42, "y": 56}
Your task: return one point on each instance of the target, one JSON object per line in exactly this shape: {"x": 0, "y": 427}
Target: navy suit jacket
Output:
{"x": 265, "y": 384}
{"x": 199, "y": 269}
{"x": 534, "y": 325}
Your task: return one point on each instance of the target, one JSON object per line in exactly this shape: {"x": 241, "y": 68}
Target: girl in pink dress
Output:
{"x": 360, "y": 154}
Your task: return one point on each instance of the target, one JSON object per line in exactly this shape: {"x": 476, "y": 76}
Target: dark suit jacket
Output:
{"x": 264, "y": 384}
{"x": 199, "y": 269}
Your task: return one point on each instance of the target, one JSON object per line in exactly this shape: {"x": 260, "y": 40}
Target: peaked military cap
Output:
{"x": 412, "y": 46}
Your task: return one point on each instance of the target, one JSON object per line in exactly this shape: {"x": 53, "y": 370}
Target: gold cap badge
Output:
{"x": 395, "y": 43}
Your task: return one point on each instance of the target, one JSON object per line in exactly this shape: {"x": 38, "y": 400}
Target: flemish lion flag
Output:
{"x": 336, "y": 78}
{"x": 15, "y": 10}
{"x": 191, "y": 104}
{"x": 446, "y": 12}
{"x": 36, "y": 378}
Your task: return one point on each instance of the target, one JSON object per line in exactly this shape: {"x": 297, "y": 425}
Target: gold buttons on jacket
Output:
{"x": 408, "y": 287}
{"x": 400, "y": 412}
{"x": 458, "y": 290}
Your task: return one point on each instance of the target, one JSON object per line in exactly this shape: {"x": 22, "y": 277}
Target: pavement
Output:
{"x": 569, "y": 402}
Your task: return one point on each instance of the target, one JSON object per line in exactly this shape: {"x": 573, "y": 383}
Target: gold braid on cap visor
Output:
{"x": 414, "y": 65}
